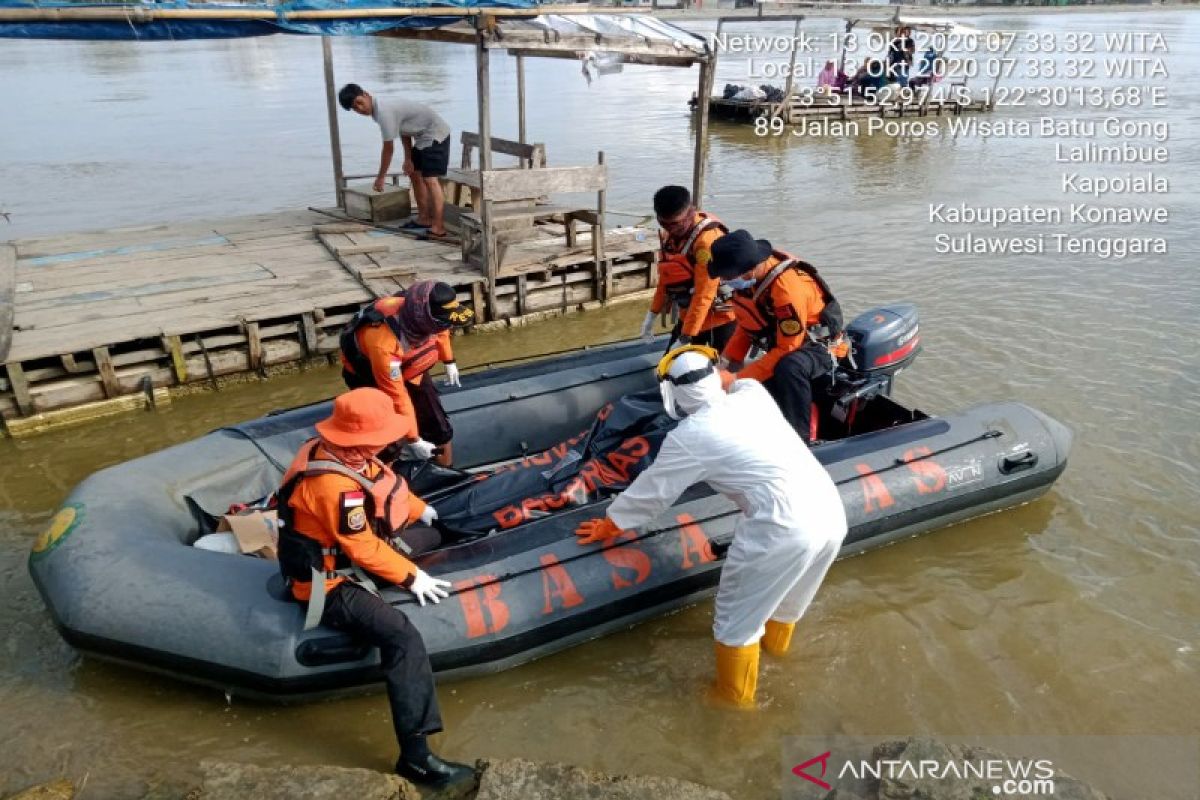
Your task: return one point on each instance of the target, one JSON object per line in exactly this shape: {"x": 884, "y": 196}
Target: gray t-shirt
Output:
{"x": 398, "y": 118}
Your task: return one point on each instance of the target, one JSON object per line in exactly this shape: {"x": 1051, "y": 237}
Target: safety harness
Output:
{"x": 677, "y": 268}
{"x": 827, "y": 333}
{"x": 303, "y": 558}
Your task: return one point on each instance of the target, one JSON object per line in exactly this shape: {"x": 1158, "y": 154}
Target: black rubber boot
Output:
{"x": 429, "y": 770}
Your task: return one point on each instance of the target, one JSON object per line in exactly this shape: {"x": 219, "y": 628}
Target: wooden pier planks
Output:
{"x": 79, "y": 292}
{"x": 99, "y": 318}
{"x": 8, "y": 285}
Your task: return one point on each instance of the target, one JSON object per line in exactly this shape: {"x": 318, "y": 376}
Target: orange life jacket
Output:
{"x": 677, "y": 265}
{"x": 755, "y": 305}
{"x": 416, "y": 359}
{"x": 385, "y": 504}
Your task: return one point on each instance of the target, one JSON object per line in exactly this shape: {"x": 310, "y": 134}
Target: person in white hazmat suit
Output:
{"x": 793, "y": 526}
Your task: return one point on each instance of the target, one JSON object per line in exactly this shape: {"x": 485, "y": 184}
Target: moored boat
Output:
{"x": 546, "y": 444}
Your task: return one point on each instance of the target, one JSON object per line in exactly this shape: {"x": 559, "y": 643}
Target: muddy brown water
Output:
{"x": 1075, "y": 614}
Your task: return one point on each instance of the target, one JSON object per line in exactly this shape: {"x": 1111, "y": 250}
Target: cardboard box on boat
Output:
{"x": 257, "y": 532}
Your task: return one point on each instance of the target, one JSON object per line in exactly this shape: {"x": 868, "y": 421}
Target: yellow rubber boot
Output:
{"x": 737, "y": 675}
{"x": 778, "y": 637}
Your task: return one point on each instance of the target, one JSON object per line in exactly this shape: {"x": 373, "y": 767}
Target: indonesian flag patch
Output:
{"x": 353, "y": 514}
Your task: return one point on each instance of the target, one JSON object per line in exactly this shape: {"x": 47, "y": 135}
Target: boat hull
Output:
{"x": 121, "y": 582}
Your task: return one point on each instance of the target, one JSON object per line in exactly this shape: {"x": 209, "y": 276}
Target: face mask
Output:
{"x": 738, "y": 284}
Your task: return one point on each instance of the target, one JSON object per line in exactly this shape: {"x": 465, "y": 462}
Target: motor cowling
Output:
{"x": 883, "y": 340}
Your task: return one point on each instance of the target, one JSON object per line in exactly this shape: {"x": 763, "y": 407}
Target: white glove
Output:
{"x": 428, "y": 515}
{"x": 421, "y": 450}
{"x": 647, "y": 332}
{"x": 427, "y": 587}
{"x": 452, "y": 374}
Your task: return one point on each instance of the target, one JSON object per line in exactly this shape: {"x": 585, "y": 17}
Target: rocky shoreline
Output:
{"x": 517, "y": 779}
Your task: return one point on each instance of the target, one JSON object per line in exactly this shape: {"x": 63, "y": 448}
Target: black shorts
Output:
{"x": 432, "y": 161}
{"x": 432, "y": 422}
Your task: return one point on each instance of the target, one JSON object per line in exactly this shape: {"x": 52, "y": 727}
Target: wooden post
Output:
{"x": 707, "y": 70}
{"x": 107, "y": 372}
{"x": 20, "y": 388}
{"x": 483, "y": 90}
{"x": 521, "y": 99}
{"x": 598, "y": 242}
{"x": 791, "y": 78}
{"x": 335, "y": 136}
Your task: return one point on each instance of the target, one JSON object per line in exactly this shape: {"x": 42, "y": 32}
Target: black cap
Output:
{"x": 736, "y": 254}
{"x": 444, "y": 305}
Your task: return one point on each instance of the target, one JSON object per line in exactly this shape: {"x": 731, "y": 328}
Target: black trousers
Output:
{"x": 792, "y": 385}
{"x": 409, "y": 677}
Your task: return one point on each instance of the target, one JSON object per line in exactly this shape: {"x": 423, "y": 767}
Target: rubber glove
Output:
{"x": 591, "y": 531}
{"x": 428, "y": 515}
{"x": 427, "y": 587}
{"x": 452, "y": 374}
{"x": 421, "y": 449}
{"x": 647, "y": 331}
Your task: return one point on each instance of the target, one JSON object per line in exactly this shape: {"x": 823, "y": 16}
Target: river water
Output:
{"x": 1077, "y": 614}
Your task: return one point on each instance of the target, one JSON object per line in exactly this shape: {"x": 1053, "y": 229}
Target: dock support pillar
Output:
{"x": 335, "y": 135}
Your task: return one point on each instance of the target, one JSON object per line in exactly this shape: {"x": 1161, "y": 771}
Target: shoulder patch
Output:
{"x": 790, "y": 327}
{"x": 352, "y": 514}
{"x": 395, "y": 369}
{"x": 787, "y": 311}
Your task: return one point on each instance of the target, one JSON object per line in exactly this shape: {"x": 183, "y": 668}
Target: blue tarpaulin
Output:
{"x": 155, "y": 21}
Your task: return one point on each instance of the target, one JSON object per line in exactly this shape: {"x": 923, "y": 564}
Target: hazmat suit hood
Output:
{"x": 691, "y": 383}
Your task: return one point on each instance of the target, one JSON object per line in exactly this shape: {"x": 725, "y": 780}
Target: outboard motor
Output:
{"x": 883, "y": 341}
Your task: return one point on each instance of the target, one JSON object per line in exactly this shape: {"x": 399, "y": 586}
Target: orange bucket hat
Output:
{"x": 365, "y": 418}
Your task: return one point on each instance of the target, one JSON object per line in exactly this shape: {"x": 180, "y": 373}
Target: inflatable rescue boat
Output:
{"x": 544, "y": 445}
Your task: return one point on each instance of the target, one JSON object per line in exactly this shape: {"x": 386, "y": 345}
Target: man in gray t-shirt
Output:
{"x": 426, "y": 140}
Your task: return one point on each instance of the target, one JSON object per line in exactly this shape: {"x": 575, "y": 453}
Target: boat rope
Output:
{"x": 238, "y": 431}
{"x": 985, "y": 436}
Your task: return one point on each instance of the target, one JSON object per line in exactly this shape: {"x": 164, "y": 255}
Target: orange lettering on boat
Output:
{"x": 556, "y": 583}
{"x": 694, "y": 542}
{"x": 875, "y": 493}
{"x": 626, "y": 559}
{"x": 928, "y": 475}
{"x": 485, "y": 612}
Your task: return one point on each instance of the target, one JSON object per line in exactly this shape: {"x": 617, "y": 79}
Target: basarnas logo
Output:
{"x": 1001, "y": 776}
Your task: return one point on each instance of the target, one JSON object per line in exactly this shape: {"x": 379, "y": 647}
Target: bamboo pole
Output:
{"x": 791, "y": 78}
{"x": 335, "y": 135}
{"x": 521, "y": 99}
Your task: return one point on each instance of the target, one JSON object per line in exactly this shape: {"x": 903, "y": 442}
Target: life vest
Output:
{"x": 827, "y": 331}
{"x": 677, "y": 266}
{"x": 303, "y": 557}
{"x": 415, "y": 360}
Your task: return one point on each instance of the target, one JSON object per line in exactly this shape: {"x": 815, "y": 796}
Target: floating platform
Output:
{"x": 92, "y": 323}
{"x": 797, "y": 110}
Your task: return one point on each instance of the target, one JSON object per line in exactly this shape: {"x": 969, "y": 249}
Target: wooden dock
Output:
{"x": 95, "y": 322}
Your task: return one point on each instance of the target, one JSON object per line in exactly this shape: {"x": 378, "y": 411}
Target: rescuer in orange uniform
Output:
{"x": 345, "y": 514}
{"x": 392, "y": 343}
{"x": 784, "y": 308}
{"x": 684, "y": 285}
